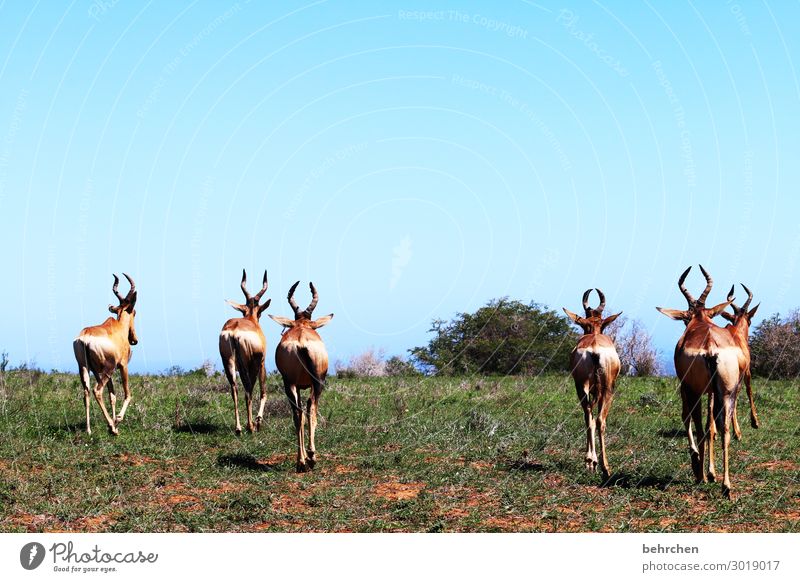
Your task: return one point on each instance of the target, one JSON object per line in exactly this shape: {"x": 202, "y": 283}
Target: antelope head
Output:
{"x": 741, "y": 313}
{"x": 251, "y": 308}
{"x": 302, "y": 318}
{"x": 593, "y": 322}
{"x": 697, "y": 307}
{"x": 126, "y": 311}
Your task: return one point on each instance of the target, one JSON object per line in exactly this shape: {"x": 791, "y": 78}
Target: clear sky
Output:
{"x": 413, "y": 159}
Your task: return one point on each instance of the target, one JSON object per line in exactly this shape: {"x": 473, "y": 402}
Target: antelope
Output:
{"x": 103, "y": 348}
{"x": 708, "y": 361}
{"x": 302, "y": 360}
{"x": 595, "y": 365}
{"x": 739, "y": 327}
{"x": 243, "y": 347}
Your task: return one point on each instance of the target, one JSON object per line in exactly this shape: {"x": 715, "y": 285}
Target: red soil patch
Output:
{"x": 778, "y": 464}
{"x": 135, "y": 460}
{"x": 395, "y": 491}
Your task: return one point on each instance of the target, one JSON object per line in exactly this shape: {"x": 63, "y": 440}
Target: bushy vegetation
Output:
{"x": 503, "y": 337}
{"x": 775, "y": 347}
{"x": 372, "y": 363}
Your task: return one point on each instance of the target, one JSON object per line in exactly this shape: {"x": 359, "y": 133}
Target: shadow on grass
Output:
{"x": 632, "y": 481}
{"x": 243, "y": 461}
{"x": 672, "y": 433}
{"x": 197, "y": 428}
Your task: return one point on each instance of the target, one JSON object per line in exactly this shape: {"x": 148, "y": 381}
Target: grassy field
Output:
{"x": 399, "y": 454}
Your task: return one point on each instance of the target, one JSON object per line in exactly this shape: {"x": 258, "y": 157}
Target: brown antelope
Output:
{"x": 243, "y": 347}
{"x": 739, "y": 327}
{"x": 595, "y": 365}
{"x": 302, "y": 360}
{"x": 707, "y": 361}
{"x": 103, "y": 348}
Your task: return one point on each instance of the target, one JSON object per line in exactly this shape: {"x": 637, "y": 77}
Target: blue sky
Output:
{"x": 413, "y": 159}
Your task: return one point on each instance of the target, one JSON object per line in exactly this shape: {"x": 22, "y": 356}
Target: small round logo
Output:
{"x": 31, "y": 555}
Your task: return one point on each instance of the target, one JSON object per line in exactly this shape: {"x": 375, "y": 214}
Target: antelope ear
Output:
{"x": 236, "y": 306}
{"x": 284, "y": 321}
{"x": 728, "y": 316}
{"x": 321, "y": 321}
{"x": 263, "y": 307}
{"x": 751, "y": 314}
{"x": 573, "y": 316}
{"x": 609, "y": 320}
{"x": 717, "y": 309}
{"x": 676, "y": 314}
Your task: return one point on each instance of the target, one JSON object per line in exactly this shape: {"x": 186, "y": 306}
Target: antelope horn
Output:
{"x": 263, "y": 288}
{"x": 132, "y": 284}
{"x": 314, "y": 299}
{"x": 749, "y": 297}
{"x": 586, "y": 301}
{"x": 602, "y": 305}
{"x": 115, "y": 289}
{"x": 707, "y": 290}
{"x": 683, "y": 288}
{"x": 292, "y": 302}
{"x": 730, "y": 298}
{"x": 244, "y": 285}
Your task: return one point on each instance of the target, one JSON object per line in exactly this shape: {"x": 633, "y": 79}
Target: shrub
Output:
{"x": 503, "y": 337}
{"x": 636, "y": 351}
{"x": 775, "y": 347}
{"x": 368, "y": 364}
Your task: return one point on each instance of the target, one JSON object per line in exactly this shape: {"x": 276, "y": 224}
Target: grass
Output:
{"x": 395, "y": 454}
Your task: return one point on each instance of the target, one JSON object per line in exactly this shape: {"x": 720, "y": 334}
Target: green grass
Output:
{"x": 399, "y": 454}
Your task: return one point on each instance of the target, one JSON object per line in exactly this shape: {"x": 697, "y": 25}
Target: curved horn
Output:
{"x": 314, "y": 299}
{"x": 683, "y": 288}
{"x": 115, "y": 289}
{"x": 263, "y": 288}
{"x": 746, "y": 305}
{"x": 292, "y": 302}
{"x": 730, "y": 298}
{"x": 132, "y": 284}
{"x": 707, "y": 290}
{"x": 244, "y": 285}
{"x": 602, "y": 305}
{"x": 586, "y": 301}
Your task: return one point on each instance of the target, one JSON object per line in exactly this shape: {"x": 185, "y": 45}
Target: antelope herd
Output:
{"x": 709, "y": 360}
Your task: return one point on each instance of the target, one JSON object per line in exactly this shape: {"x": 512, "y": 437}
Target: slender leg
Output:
{"x": 753, "y": 414}
{"x": 262, "y": 382}
{"x": 112, "y": 398}
{"x": 690, "y": 402}
{"x": 726, "y": 442}
{"x": 297, "y": 415}
{"x": 84, "y": 373}
{"x": 247, "y": 382}
{"x": 709, "y": 437}
{"x": 126, "y": 388}
{"x": 313, "y": 401}
{"x": 602, "y": 414}
{"x": 98, "y": 395}
{"x": 229, "y": 364}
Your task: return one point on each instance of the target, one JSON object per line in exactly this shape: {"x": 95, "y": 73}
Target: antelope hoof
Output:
{"x": 697, "y": 469}
{"x": 726, "y": 492}
{"x": 119, "y": 419}
{"x": 251, "y": 429}
{"x": 712, "y": 477}
{"x": 754, "y": 422}
{"x": 259, "y": 420}
{"x": 302, "y": 467}
{"x": 113, "y": 430}
{"x": 310, "y": 460}
{"x": 737, "y": 434}
{"x": 238, "y": 430}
